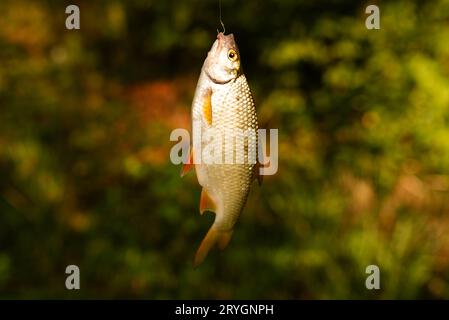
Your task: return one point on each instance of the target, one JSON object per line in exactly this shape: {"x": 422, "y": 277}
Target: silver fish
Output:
{"x": 223, "y": 103}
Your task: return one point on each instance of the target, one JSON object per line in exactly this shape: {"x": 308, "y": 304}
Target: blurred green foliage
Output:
{"x": 85, "y": 176}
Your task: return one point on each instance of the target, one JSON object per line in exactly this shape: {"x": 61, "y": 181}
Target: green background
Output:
{"x": 86, "y": 179}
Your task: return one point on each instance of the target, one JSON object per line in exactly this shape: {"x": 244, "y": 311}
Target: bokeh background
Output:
{"x": 86, "y": 179}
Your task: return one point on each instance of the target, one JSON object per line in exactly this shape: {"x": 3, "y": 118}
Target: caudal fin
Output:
{"x": 213, "y": 236}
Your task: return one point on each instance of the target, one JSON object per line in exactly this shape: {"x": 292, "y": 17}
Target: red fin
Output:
{"x": 206, "y": 202}
{"x": 213, "y": 236}
{"x": 187, "y": 166}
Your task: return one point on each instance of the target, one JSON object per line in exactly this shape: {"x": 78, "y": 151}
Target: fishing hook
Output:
{"x": 221, "y": 21}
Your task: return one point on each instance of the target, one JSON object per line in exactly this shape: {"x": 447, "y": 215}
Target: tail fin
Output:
{"x": 213, "y": 236}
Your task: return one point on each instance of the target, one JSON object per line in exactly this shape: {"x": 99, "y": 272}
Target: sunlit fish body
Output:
{"x": 222, "y": 104}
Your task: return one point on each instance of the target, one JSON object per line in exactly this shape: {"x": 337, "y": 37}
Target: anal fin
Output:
{"x": 206, "y": 202}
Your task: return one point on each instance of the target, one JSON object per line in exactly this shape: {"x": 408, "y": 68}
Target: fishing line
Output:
{"x": 221, "y": 21}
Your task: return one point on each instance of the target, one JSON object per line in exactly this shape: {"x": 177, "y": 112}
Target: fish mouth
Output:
{"x": 221, "y": 35}
{"x": 220, "y": 38}
{"x": 226, "y": 38}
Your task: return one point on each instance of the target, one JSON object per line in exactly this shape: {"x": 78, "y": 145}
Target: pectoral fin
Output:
{"x": 207, "y": 107}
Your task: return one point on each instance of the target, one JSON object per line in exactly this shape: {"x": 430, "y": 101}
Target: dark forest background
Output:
{"x": 86, "y": 179}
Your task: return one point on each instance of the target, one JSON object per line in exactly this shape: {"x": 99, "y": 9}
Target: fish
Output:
{"x": 223, "y": 102}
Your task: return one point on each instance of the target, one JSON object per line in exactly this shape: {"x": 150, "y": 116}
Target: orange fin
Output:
{"x": 188, "y": 165}
{"x": 207, "y": 107}
{"x": 213, "y": 236}
{"x": 206, "y": 202}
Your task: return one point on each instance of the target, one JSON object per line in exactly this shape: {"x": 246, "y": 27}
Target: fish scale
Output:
{"x": 236, "y": 111}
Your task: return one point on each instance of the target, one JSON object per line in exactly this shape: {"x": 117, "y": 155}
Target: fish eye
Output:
{"x": 232, "y": 55}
